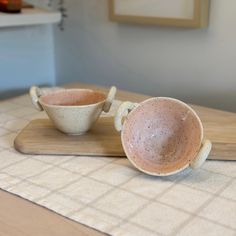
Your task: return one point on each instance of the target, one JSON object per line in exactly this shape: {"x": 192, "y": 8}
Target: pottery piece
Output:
{"x": 162, "y": 136}
{"x": 73, "y": 111}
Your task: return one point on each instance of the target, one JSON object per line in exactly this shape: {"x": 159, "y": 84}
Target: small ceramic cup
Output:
{"x": 162, "y": 136}
{"x": 73, "y": 111}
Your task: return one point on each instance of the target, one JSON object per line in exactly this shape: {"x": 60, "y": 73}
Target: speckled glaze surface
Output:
{"x": 162, "y": 136}
{"x": 73, "y": 111}
{"x": 73, "y": 97}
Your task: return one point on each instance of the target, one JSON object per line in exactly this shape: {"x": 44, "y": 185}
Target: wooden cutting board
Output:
{"x": 40, "y": 137}
{"x": 220, "y": 127}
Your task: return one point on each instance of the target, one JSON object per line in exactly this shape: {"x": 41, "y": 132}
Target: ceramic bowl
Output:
{"x": 162, "y": 136}
{"x": 73, "y": 111}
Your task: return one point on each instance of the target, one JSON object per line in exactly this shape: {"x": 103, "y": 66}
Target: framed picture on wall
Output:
{"x": 180, "y": 13}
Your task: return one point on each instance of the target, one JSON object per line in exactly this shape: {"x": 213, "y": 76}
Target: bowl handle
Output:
{"x": 202, "y": 155}
{"x": 109, "y": 99}
{"x": 35, "y": 93}
{"x": 122, "y": 111}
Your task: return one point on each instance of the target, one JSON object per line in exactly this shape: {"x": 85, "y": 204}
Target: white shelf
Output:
{"x": 32, "y": 16}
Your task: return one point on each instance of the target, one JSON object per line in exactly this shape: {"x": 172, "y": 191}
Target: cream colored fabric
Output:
{"x": 109, "y": 194}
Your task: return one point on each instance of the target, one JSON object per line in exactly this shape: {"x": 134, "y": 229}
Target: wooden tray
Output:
{"x": 40, "y": 137}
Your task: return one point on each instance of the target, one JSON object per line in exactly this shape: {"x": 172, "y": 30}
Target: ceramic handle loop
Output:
{"x": 109, "y": 100}
{"x": 35, "y": 93}
{"x": 202, "y": 155}
{"x": 122, "y": 111}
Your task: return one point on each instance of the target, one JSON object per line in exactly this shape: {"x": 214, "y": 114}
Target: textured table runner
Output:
{"x": 109, "y": 195}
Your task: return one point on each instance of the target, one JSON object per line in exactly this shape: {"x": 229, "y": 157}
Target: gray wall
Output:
{"x": 194, "y": 65}
{"x": 26, "y": 58}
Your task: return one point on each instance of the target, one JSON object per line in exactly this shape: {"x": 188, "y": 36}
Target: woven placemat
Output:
{"x": 109, "y": 195}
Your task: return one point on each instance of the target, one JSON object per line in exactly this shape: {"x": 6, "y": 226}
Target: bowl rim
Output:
{"x": 159, "y": 173}
{"x": 71, "y": 106}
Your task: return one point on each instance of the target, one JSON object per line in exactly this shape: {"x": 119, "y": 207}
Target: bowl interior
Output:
{"x": 73, "y": 97}
{"x": 162, "y": 135}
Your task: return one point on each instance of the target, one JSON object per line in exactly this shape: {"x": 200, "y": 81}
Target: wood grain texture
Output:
{"x": 19, "y": 217}
{"x": 220, "y": 128}
{"x": 40, "y": 137}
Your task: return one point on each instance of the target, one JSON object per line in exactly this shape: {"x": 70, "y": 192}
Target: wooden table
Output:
{"x": 19, "y": 217}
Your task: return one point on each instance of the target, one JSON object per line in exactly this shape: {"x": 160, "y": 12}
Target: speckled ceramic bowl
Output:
{"x": 162, "y": 136}
{"x": 73, "y": 111}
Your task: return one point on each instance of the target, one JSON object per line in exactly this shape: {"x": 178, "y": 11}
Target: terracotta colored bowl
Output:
{"x": 162, "y": 136}
{"x": 73, "y": 111}
{"x": 73, "y": 97}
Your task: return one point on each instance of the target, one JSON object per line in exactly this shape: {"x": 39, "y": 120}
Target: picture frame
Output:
{"x": 187, "y": 13}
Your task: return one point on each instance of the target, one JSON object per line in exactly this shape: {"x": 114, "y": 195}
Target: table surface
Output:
{"x": 20, "y": 217}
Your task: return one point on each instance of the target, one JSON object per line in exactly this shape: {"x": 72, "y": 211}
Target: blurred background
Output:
{"x": 195, "y": 65}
